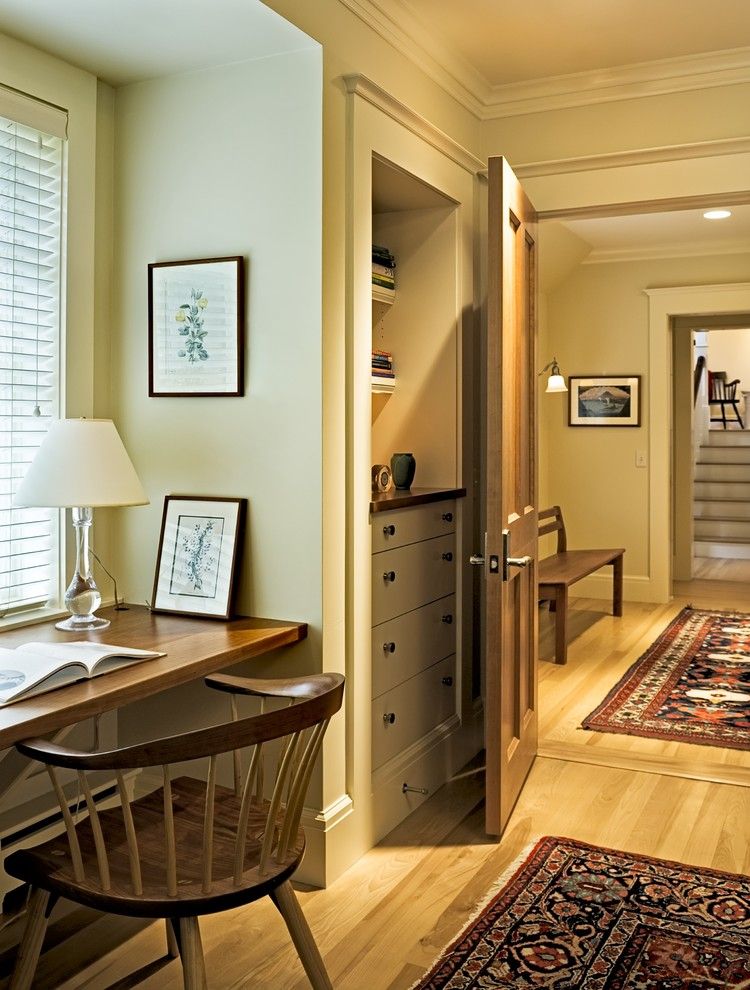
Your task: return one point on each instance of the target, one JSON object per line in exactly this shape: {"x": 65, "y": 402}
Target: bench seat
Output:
{"x": 558, "y": 571}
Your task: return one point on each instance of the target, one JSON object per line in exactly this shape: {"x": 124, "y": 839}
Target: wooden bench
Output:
{"x": 561, "y": 569}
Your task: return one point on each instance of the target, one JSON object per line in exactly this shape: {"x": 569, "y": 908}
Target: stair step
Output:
{"x": 727, "y": 438}
{"x": 734, "y": 490}
{"x": 738, "y": 454}
{"x": 721, "y": 508}
{"x": 713, "y": 548}
{"x": 722, "y": 472}
{"x": 722, "y": 529}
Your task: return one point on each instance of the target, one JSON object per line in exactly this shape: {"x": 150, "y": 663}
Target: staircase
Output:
{"x": 721, "y": 495}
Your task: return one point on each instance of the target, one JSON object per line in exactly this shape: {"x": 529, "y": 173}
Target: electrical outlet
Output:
{"x": 640, "y": 458}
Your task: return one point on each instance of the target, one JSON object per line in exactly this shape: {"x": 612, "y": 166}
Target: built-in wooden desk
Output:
{"x": 193, "y": 647}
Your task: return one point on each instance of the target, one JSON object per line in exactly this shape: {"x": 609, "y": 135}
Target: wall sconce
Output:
{"x": 555, "y": 382}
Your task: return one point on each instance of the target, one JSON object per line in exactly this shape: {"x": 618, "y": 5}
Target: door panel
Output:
{"x": 511, "y": 511}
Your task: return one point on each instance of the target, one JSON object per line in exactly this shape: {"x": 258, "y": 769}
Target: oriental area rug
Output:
{"x": 691, "y": 685}
{"x": 575, "y": 915}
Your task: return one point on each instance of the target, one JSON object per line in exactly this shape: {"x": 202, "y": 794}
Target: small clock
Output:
{"x": 381, "y": 478}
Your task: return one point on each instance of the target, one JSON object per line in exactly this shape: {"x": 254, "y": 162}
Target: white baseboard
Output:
{"x": 635, "y": 588}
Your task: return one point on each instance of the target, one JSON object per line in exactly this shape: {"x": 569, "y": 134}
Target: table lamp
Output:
{"x": 81, "y": 465}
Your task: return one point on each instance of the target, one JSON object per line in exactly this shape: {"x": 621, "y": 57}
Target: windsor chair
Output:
{"x": 189, "y": 848}
{"x": 723, "y": 394}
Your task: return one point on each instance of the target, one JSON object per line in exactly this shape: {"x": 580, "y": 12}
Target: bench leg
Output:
{"x": 561, "y": 625}
{"x": 617, "y": 586}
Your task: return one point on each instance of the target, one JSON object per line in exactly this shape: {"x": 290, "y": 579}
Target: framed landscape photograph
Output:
{"x": 197, "y": 562}
{"x": 196, "y": 333}
{"x": 605, "y": 400}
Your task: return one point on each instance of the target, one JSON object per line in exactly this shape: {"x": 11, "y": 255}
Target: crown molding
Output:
{"x": 605, "y": 256}
{"x": 395, "y": 22}
{"x": 365, "y": 88}
{"x": 710, "y": 201}
{"x": 640, "y": 156}
{"x": 398, "y": 26}
{"x": 625, "y": 82}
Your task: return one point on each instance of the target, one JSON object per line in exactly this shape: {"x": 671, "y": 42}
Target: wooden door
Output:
{"x": 510, "y": 577}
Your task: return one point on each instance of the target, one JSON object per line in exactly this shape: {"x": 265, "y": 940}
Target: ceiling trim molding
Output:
{"x": 642, "y": 156}
{"x": 396, "y": 25}
{"x": 605, "y": 256}
{"x": 625, "y": 82}
{"x": 360, "y": 85}
{"x": 740, "y": 198}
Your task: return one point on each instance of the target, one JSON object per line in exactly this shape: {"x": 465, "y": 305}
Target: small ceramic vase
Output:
{"x": 403, "y": 467}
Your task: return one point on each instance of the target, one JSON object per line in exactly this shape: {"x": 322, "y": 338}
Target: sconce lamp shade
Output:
{"x": 555, "y": 382}
{"x": 81, "y": 462}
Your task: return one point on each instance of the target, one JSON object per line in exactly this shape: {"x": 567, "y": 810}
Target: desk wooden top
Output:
{"x": 193, "y": 647}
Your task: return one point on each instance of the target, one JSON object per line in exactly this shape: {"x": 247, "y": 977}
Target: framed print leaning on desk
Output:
{"x": 199, "y": 551}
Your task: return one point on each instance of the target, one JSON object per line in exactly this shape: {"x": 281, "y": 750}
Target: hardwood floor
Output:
{"x": 382, "y": 924}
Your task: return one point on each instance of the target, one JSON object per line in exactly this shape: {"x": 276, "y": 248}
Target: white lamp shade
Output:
{"x": 81, "y": 462}
{"x": 556, "y": 383}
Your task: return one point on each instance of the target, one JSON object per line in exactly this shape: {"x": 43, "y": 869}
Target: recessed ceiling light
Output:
{"x": 717, "y": 214}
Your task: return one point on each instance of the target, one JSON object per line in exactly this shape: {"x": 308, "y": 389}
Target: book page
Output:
{"x": 91, "y": 655}
{"x": 23, "y": 674}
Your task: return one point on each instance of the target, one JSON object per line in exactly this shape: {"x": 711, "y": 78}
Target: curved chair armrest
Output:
{"x": 277, "y": 687}
{"x": 735, "y": 381}
{"x": 53, "y": 754}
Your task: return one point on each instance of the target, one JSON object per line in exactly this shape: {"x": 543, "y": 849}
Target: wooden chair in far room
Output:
{"x": 189, "y": 848}
{"x": 722, "y": 393}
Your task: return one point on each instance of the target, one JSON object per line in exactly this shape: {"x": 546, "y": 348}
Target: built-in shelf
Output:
{"x": 400, "y": 498}
{"x": 382, "y": 295}
{"x": 384, "y": 386}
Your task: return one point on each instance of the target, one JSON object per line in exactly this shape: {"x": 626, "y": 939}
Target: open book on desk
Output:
{"x": 37, "y": 667}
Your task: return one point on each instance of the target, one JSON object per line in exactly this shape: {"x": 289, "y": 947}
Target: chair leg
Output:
{"x": 561, "y": 625}
{"x": 37, "y": 915}
{"x": 737, "y": 414}
{"x": 173, "y": 945}
{"x": 191, "y": 951}
{"x": 286, "y": 901}
{"x": 617, "y": 586}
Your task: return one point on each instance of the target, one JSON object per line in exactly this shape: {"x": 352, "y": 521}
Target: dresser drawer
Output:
{"x": 421, "y": 522}
{"x": 411, "y": 576}
{"x": 404, "y": 646}
{"x": 407, "y": 712}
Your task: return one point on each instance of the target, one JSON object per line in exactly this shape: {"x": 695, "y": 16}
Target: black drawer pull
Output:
{"x": 447, "y": 517}
{"x": 389, "y": 576}
{"x": 408, "y": 789}
{"x": 448, "y": 556}
{"x": 448, "y": 681}
{"x": 389, "y": 530}
{"x": 389, "y": 647}
{"x": 389, "y": 718}
{"x": 447, "y": 619}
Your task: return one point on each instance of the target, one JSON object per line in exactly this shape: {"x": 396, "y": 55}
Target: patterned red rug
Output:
{"x": 691, "y": 685}
{"x": 576, "y": 915}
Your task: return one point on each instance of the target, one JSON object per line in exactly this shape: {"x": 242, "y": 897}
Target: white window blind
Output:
{"x": 30, "y": 236}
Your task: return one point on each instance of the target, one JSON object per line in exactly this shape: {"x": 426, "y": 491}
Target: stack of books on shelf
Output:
{"x": 383, "y": 268}
{"x": 383, "y": 376}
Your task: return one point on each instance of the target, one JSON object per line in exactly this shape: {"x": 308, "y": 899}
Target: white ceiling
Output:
{"x": 508, "y": 41}
{"x": 123, "y": 41}
{"x": 665, "y": 234}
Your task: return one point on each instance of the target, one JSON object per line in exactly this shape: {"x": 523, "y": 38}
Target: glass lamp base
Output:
{"x": 81, "y": 623}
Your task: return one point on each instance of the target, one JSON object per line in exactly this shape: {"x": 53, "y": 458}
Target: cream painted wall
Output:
{"x": 729, "y": 350}
{"x": 214, "y": 163}
{"x": 597, "y": 323}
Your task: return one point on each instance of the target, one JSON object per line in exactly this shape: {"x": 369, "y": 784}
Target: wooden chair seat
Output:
{"x": 51, "y": 863}
{"x": 558, "y": 571}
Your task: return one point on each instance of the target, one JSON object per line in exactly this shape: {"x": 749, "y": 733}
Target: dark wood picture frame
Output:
{"x": 604, "y": 400}
{"x": 175, "y": 370}
{"x": 188, "y": 556}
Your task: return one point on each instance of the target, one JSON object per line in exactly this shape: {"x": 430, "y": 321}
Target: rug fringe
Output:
{"x": 507, "y": 874}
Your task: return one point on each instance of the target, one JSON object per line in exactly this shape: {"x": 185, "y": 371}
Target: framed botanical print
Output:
{"x": 604, "y": 400}
{"x": 196, "y": 332}
{"x": 198, "y": 558}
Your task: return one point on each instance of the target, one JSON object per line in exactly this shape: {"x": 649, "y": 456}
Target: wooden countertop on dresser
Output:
{"x": 404, "y": 498}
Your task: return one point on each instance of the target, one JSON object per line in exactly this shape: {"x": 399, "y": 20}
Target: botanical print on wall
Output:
{"x": 196, "y": 327}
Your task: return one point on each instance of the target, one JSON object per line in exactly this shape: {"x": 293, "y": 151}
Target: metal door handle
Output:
{"x": 477, "y": 559}
{"x": 518, "y": 561}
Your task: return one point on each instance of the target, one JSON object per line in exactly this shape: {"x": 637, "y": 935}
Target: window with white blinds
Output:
{"x": 30, "y": 237}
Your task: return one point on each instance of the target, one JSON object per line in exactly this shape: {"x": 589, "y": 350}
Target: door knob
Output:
{"x": 519, "y": 561}
{"x": 477, "y": 559}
